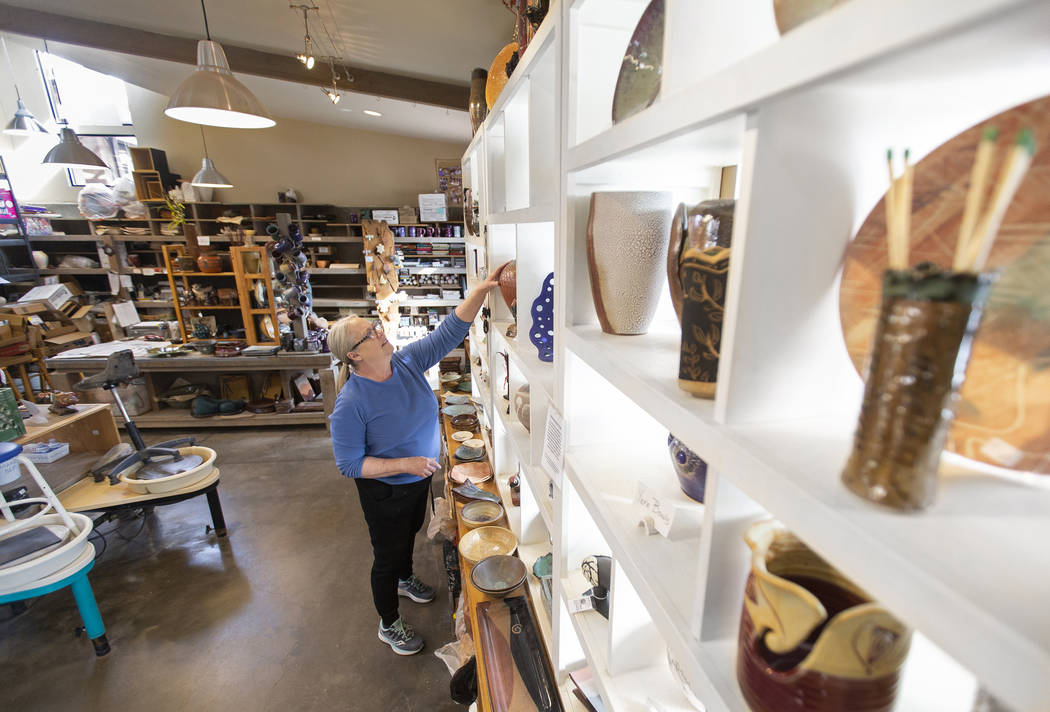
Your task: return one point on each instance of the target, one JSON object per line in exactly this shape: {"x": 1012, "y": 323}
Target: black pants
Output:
{"x": 394, "y": 514}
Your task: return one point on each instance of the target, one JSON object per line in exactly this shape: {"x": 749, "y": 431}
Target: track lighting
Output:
{"x": 307, "y": 55}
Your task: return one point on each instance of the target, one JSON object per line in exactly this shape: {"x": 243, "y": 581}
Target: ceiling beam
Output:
{"x": 142, "y": 43}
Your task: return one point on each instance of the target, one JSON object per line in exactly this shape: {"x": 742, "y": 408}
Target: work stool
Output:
{"x": 32, "y": 356}
{"x": 47, "y": 550}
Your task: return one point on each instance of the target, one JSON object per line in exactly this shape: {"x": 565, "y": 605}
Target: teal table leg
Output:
{"x": 89, "y": 614}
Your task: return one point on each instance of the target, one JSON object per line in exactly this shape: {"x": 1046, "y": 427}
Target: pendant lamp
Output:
{"x": 208, "y": 176}
{"x": 24, "y": 123}
{"x": 71, "y": 153}
{"x": 213, "y": 96}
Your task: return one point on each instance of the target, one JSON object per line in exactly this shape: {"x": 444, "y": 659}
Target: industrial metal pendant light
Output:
{"x": 213, "y": 96}
{"x": 208, "y": 176}
{"x": 24, "y": 123}
{"x": 71, "y": 153}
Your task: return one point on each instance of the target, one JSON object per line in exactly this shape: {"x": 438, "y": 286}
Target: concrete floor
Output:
{"x": 277, "y": 616}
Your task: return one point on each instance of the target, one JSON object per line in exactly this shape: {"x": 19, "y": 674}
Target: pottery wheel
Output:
{"x": 166, "y": 468}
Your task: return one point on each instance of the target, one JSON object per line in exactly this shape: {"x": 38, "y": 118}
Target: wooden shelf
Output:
{"x": 169, "y": 419}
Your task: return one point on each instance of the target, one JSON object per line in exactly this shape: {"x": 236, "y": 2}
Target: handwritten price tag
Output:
{"x": 581, "y": 604}
{"x": 660, "y": 513}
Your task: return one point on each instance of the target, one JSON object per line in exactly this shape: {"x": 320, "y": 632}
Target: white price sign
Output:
{"x": 661, "y": 514}
{"x": 203, "y": 239}
{"x": 554, "y": 445}
{"x": 581, "y": 604}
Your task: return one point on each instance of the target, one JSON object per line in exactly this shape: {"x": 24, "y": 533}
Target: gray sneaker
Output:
{"x": 415, "y": 589}
{"x": 401, "y": 638}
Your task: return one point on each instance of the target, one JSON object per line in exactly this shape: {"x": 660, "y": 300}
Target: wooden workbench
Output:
{"x": 472, "y": 594}
{"x": 195, "y": 363}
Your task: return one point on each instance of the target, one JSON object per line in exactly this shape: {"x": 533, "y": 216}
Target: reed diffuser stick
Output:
{"x": 1010, "y": 179}
{"x": 890, "y": 202}
{"x": 907, "y": 181}
{"x": 975, "y": 196}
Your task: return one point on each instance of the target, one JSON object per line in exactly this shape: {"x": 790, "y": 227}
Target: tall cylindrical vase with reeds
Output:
{"x": 925, "y": 332}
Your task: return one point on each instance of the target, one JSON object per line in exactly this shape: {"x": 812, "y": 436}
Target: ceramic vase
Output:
{"x": 626, "y": 254}
{"x": 521, "y": 406}
{"x": 809, "y": 638}
{"x": 792, "y": 13}
{"x": 705, "y": 274}
{"x": 542, "y": 332}
{"x": 707, "y": 224}
{"x": 691, "y": 470}
{"x": 923, "y": 340}
{"x": 508, "y": 286}
{"x": 210, "y": 262}
{"x": 477, "y": 108}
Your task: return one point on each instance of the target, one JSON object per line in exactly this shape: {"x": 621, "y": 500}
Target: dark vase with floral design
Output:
{"x": 691, "y": 470}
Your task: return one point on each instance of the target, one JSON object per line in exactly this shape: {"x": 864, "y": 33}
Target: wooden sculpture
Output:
{"x": 381, "y": 272}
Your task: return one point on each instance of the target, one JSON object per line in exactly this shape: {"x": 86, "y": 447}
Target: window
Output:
{"x": 96, "y": 104}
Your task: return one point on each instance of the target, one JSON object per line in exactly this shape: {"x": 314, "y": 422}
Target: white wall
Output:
{"x": 324, "y": 163}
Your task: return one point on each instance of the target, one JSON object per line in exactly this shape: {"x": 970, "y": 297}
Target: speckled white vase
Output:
{"x": 627, "y": 238}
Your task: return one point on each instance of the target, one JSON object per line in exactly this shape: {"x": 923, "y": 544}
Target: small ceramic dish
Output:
{"x": 461, "y": 436}
{"x": 469, "y": 453}
{"x": 480, "y": 513}
{"x": 476, "y": 472}
{"x": 454, "y": 410}
{"x": 476, "y": 443}
{"x": 450, "y": 377}
{"x": 456, "y": 399}
{"x": 483, "y": 542}
{"x": 465, "y": 386}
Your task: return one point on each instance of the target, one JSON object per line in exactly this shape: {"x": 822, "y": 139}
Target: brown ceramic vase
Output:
{"x": 707, "y": 224}
{"x": 477, "y": 108}
{"x": 923, "y": 341}
{"x": 809, "y": 638}
{"x": 210, "y": 262}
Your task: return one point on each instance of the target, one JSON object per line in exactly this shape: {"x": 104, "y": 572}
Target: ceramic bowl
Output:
{"x": 476, "y": 443}
{"x": 482, "y": 542}
{"x": 465, "y": 422}
{"x": 469, "y": 453}
{"x": 450, "y": 377}
{"x": 480, "y": 513}
{"x": 462, "y": 435}
{"x": 498, "y": 575}
{"x": 454, "y": 410}
{"x": 464, "y": 386}
{"x": 456, "y": 399}
{"x": 475, "y": 472}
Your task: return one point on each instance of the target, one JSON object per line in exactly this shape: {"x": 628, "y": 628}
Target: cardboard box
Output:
{"x": 25, "y": 308}
{"x": 58, "y": 344}
{"x": 54, "y": 294}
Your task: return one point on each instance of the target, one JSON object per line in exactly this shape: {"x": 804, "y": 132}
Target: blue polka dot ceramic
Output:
{"x": 542, "y": 332}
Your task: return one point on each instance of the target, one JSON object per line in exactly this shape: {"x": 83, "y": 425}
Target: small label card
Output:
{"x": 581, "y": 604}
{"x": 660, "y": 514}
{"x": 148, "y": 271}
{"x": 203, "y": 239}
{"x": 554, "y": 445}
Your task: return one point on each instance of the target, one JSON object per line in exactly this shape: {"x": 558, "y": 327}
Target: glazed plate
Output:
{"x": 476, "y": 472}
{"x": 461, "y": 436}
{"x": 464, "y": 386}
{"x": 450, "y": 377}
{"x": 468, "y": 454}
{"x": 1003, "y": 416}
{"x": 475, "y": 443}
{"x": 456, "y": 399}
{"x": 454, "y": 410}
{"x": 639, "y": 82}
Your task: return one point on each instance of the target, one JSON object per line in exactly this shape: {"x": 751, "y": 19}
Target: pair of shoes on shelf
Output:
{"x": 401, "y": 637}
{"x": 206, "y": 407}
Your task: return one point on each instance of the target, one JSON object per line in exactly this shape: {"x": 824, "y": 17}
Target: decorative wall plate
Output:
{"x": 1003, "y": 417}
{"x": 639, "y": 82}
{"x": 542, "y": 332}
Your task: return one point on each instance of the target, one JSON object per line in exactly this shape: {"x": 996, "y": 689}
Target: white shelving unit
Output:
{"x": 806, "y": 118}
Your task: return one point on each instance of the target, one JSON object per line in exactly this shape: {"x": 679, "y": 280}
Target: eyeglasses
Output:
{"x": 377, "y": 329}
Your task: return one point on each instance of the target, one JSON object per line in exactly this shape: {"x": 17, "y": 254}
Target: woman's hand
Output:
{"x": 492, "y": 281}
{"x": 420, "y": 466}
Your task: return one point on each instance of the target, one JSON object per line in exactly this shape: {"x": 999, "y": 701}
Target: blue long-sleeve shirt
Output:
{"x": 396, "y": 417}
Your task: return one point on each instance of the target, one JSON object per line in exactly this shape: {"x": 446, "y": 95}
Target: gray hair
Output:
{"x": 340, "y": 339}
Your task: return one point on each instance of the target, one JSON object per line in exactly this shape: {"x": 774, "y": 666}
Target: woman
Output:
{"x": 386, "y": 436}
